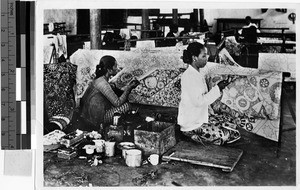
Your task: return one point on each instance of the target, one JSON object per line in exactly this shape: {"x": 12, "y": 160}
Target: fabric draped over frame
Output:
{"x": 253, "y": 99}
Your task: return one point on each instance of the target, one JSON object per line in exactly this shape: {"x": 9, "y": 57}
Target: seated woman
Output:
{"x": 99, "y": 101}
{"x": 193, "y": 116}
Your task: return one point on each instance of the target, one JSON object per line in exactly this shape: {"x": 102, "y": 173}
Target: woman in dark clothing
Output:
{"x": 173, "y": 31}
{"x": 99, "y": 101}
{"x": 249, "y": 35}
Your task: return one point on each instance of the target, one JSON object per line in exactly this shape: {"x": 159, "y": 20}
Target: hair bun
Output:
{"x": 187, "y": 57}
{"x": 98, "y": 67}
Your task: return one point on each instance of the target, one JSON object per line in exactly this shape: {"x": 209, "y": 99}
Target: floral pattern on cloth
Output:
{"x": 284, "y": 62}
{"x": 219, "y": 130}
{"x": 59, "y": 80}
{"x": 253, "y": 100}
{"x": 235, "y": 48}
{"x": 158, "y": 88}
{"x": 272, "y": 49}
{"x": 257, "y": 96}
{"x": 263, "y": 127}
{"x": 143, "y": 58}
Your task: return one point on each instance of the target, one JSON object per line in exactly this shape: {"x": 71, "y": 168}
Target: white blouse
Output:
{"x": 195, "y": 99}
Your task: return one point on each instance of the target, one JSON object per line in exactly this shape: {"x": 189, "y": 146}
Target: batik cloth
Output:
{"x": 285, "y": 62}
{"x": 218, "y": 131}
{"x": 59, "y": 80}
{"x": 137, "y": 62}
{"x": 252, "y": 99}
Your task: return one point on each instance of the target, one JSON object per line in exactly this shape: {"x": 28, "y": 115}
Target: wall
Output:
{"x": 271, "y": 18}
{"x": 62, "y": 15}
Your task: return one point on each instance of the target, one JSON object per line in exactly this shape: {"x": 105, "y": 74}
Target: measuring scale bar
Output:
{"x": 15, "y": 75}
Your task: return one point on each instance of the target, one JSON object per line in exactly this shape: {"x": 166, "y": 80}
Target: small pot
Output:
{"x": 133, "y": 158}
{"x": 124, "y": 146}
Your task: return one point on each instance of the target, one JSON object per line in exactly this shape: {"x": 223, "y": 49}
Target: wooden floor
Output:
{"x": 263, "y": 163}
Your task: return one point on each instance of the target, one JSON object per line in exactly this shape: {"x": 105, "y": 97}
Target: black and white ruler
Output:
{"x": 15, "y": 75}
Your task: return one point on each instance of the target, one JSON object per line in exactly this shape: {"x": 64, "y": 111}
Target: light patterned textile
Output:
{"x": 284, "y": 62}
{"x": 235, "y": 48}
{"x": 273, "y": 49}
{"x": 226, "y": 59}
{"x": 144, "y": 59}
{"x": 255, "y": 106}
{"x": 252, "y": 99}
{"x": 232, "y": 46}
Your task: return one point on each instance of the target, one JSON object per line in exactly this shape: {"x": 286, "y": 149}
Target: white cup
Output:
{"x": 133, "y": 158}
{"x": 89, "y": 149}
{"x": 153, "y": 159}
{"x": 99, "y": 145}
{"x": 109, "y": 148}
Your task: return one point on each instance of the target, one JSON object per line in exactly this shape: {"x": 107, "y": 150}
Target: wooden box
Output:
{"x": 66, "y": 153}
{"x": 71, "y": 138}
{"x": 155, "y": 137}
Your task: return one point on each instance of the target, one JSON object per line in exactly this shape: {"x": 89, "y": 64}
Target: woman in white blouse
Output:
{"x": 193, "y": 115}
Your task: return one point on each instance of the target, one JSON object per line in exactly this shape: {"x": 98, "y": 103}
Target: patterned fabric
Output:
{"x": 145, "y": 59}
{"x": 284, "y": 62}
{"x": 226, "y": 59}
{"x": 253, "y": 100}
{"x": 232, "y": 46}
{"x": 59, "y": 80}
{"x": 257, "y": 96}
{"x": 260, "y": 96}
{"x": 272, "y": 49}
{"x": 218, "y": 131}
{"x": 158, "y": 88}
{"x": 235, "y": 48}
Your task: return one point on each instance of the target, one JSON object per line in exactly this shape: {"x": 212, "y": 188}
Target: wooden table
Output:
{"x": 228, "y": 23}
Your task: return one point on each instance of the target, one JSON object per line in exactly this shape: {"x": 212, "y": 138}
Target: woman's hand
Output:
{"x": 113, "y": 85}
{"x": 222, "y": 84}
{"x": 134, "y": 83}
